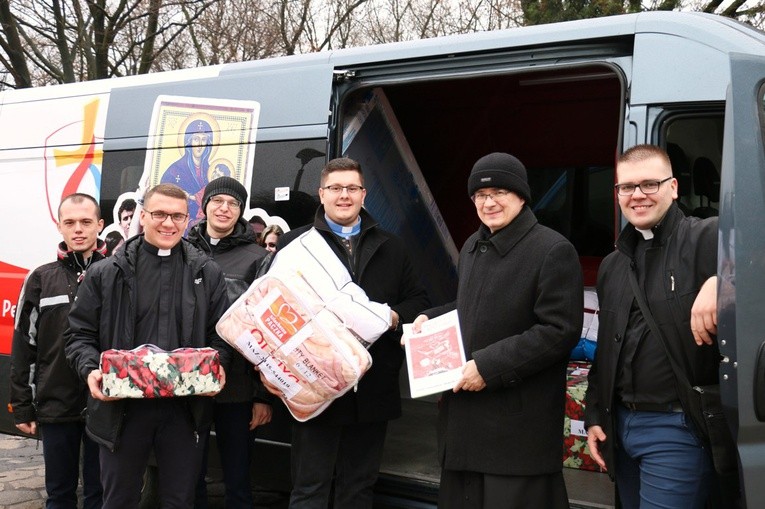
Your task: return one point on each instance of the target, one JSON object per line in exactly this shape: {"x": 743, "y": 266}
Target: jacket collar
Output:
{"x": 242, "y": 234}
{"x": 127, "y": 256}
{"x": 320, "y": 223}
{"x": 75, "y": 260}
{"x": 506, "y": 238}
{"x": 629, "y": 236}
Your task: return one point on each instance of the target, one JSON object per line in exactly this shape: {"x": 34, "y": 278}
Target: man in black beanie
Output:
{"x": 519, "y": 302}
{"x": 243, "y": 404}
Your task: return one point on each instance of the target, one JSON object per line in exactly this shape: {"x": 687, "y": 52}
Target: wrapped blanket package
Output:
{"x": 306, "y": 327}
{"x": 149, "y": 372}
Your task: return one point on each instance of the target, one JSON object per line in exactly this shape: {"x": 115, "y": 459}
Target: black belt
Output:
{"x": 674, "y": 406}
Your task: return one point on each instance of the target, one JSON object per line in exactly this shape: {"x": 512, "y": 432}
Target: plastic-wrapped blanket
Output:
{"x": 149, "y": 372}
{"x": 306, "y": 327}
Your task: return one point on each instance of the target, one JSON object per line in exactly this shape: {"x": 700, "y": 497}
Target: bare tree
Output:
{"x": 61, "y": 41}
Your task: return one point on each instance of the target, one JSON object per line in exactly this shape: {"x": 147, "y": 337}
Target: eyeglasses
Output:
{"x": 337, "y": 189}
{"x": 647, "y": 187}
{"x": 480, "y": 198}
{"x": 218, "y": 202}
{"x": 160, "y": 216}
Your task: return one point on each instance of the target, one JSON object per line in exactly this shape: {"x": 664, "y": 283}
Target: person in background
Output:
{"x": 520, "y": 307}
{"x": 257, "y": 224}
{"x": 270, "y": 237}
{"x": 243, "y": 404}
{"x": 637, "y": 426}
{"x": 47, "y": 396}
{"x": 344, "y": 444}
{"x": 157, "y": 289}
{"x": 125, "y": 214}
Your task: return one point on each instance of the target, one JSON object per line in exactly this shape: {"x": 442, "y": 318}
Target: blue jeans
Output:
{"x": 61, "y": 453}
{"x": 660, "y": 461}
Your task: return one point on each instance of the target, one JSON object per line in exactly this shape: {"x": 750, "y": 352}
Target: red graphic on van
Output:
{"x": 82, "y": 159}
{"x": 11, "y": 279}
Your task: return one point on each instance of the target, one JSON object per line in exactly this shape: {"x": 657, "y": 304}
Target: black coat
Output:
{"x": 520, "y": 305}
{"x": 681, "y": 258}
{"x": 103, "y": 317}
{"x": 384, "y": 271}
{"x": 38, "y": 341}
{"x": 239, "y": 256}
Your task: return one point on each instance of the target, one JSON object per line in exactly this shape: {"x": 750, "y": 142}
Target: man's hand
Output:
{"x": 30, "y": 428}
{"x": 94, "y": 384}
{"x": 416, "y": 326}
{"x": 471, "y": 379}
{"x": 261, "y": 414}
{"x": 704, "y": 313}
{"x": 595, "y": 435}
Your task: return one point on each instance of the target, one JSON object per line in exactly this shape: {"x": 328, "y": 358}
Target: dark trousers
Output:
{"x": 164, "y": 426}
{"x": 352, "y": 453}
{"x": 660, "y": 462}
{"x": 476, "y": 490}
{"x": 234, "y": 440}
{"x": 61, "y": 454}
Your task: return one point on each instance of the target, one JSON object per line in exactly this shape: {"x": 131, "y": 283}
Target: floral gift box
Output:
{"x": 149, "y": 372}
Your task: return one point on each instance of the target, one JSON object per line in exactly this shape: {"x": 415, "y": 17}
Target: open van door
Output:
{"x": 741, "y": 267}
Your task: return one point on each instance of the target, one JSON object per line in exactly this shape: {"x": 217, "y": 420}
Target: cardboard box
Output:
{"x": 148, "y": 372}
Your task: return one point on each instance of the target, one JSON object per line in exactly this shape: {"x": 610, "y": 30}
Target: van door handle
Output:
{"x": 759, "y": 384}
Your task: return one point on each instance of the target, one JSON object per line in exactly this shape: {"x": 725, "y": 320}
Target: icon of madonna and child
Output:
{"x": 192, "y": 171}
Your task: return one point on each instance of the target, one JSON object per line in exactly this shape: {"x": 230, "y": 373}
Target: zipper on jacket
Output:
{"x": 672, "y": 282}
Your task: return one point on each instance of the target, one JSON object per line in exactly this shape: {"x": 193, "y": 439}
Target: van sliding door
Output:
{"x": 741, "y": 268}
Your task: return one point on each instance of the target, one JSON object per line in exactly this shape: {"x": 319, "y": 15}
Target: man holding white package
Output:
{"x": 346, "y": 439}
{"x": 157, "y": 290}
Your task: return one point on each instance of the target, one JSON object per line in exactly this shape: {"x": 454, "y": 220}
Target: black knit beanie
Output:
{"x": 225, "y": 185}
{"x": 499, "y": 170}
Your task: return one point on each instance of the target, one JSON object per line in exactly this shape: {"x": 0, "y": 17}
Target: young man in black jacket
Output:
{"x": 55, "y": 406}
{"x": 635, "y": 413}
{"x": 157, "y": 289}
{"x": 345, "y": 442}
{"x": 243, "y": 405}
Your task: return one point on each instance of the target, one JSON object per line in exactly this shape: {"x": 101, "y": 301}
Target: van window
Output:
{"x": 694, "y": 143}
{"x": 292, "y": 164}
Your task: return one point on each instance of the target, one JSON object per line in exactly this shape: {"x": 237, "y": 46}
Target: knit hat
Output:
{"x": 499, "y": 170}
{"x": 225, "y": 185}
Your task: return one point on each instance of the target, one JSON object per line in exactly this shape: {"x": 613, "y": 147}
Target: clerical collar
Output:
{"x": 345, "y": 232}
{"x": 160, "y": 252}
{"x": 647, "y": 234}
{"x": 214, "y": 241}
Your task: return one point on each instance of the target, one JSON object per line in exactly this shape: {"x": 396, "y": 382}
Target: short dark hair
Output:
{"x": 128, "y": 204}
{"x": 169, "y": 190}
{"x": 341, "y": 164}
{"x": 640, "y": 153}
{"x": 79, "y": 198}
{"x": 257, "y": 220}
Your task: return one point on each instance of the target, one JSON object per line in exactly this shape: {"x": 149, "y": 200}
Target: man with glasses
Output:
{"x": 242, "y": 405}
{"x": 636, "y": 424}
{"x": 345, "y": 442}
{"x": 520, "y": 306}
{"x": 157, "y": 289}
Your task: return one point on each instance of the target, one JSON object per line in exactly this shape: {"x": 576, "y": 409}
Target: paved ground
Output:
{"x": 22, "y": 473}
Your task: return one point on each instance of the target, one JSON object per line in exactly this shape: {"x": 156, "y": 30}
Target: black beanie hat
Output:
{"x": 225, "y": 185}
{"x": 499, "y": 170}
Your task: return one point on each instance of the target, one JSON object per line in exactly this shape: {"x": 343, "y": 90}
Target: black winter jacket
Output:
{"x": 239, "y": 256}
{"x": 103, "y": 317}
{"x": 384, "y": 271}
{"x": 682, "y": 257}
{"x": 38, "y": 338}
{"x": 520, "y": 305}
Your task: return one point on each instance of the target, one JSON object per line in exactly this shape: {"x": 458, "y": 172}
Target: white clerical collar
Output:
{"x": 214, "y": 241}
{"x": 164, "y": 252}
{"x": 647, "y": 234}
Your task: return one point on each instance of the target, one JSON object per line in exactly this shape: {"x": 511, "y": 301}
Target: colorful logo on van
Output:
{"x": 73, "y": 158}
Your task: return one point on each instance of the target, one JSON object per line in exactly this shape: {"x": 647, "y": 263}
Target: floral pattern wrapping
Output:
{"x": 149, "y": 372}
{"x": 576, "y": 453}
